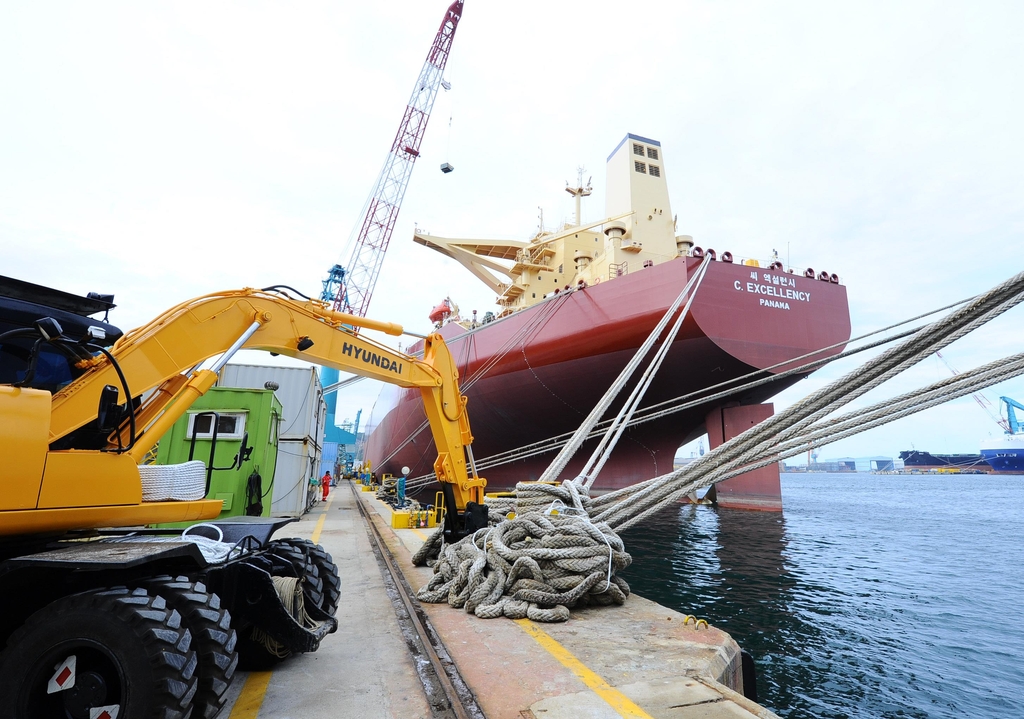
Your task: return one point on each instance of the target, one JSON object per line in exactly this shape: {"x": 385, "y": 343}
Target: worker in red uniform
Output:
{"x": 326, "y": 483}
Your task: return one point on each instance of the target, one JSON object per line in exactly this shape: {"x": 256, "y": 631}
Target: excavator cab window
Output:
{"x": 23, "y": 307}
{"x": 53, "y": 369}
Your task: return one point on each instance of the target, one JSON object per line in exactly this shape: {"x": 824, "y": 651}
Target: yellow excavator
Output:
{"x": 106, "y": 618}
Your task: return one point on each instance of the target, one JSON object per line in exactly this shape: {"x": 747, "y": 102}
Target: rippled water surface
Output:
{"x": 870, "y": 596}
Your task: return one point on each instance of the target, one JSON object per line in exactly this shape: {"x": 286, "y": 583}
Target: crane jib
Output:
{"x": 355, "y": 288}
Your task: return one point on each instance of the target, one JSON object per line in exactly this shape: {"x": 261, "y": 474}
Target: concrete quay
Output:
{"x": 636, "y": 661}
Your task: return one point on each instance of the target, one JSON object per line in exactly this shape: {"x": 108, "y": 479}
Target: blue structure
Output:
{"x": 343, "y": 442}
{"x": 1011, "y": 416}
{"x": 343, "y": 459}
{"x": 333, "y": 284}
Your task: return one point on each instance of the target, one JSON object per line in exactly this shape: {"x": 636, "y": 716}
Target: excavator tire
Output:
{"x": 253, "y": 656}
{"x": 327, "y": 569}
{"x": 212, "y": 638}
{"x": 130, "y": 650}
{"x": 296, "y": 561}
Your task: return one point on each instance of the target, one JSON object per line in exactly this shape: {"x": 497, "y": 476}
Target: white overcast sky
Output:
{"x": 160, "y": 151}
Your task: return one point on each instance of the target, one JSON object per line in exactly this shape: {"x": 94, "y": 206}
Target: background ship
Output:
{"x": 1006, "y": 453}
{"x": 914, "y": 459}
{"x": 574, "y": 305}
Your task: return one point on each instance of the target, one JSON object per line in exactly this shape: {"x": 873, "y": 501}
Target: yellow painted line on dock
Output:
{"x": 616, "y": 699}
{"x": 421, "y": 535}
{"x": 323, "y": 518}
{"x": 251, "y": 699}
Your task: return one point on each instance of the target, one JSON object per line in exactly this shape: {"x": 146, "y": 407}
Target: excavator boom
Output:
{"x": 62, "y": 484}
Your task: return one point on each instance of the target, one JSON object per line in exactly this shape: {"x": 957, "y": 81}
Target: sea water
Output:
{"x": 869, "y": 596}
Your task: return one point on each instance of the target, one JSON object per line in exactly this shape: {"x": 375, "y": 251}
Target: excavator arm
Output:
{"x": 61, "y": 486}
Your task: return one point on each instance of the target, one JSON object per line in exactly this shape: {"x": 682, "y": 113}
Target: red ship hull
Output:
{"x": 548, "y": 365}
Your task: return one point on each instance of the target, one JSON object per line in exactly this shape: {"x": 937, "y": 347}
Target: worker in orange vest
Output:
{"x": 326, "y": 483}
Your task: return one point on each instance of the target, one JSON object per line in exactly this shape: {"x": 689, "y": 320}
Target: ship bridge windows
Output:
{"x": 654, "y": 170}
{"x": 638, "y": 149}
{"x": 652, "y": 153}
{"x": 640, "y": 167}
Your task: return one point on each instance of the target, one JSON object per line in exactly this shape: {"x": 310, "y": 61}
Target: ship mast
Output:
{"x": 578, "y": 192}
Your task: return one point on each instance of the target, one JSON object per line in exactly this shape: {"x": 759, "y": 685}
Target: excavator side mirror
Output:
{"x": 108, "y": 415}
{"x": 245, "y": 451}
{"x": 48, "y": 328}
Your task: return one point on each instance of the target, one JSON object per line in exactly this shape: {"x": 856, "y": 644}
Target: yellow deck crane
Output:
{"x": 140, "y": 626}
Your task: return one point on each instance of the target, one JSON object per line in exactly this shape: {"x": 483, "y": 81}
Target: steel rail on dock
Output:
{"x": 446, "y": 691}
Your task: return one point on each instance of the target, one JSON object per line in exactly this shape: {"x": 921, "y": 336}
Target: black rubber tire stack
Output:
{"x": 291, "y": 560}
{"x": 327, "y": 570}
{"x": 213, "y": 639}
{"x": 130, "y": 633}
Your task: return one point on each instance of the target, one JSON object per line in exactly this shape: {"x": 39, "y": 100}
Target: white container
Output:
{"x": 303, "y": 412}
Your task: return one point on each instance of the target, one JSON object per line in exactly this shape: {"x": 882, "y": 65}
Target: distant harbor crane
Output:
{"x": 349, "y": 287}
{"x": 1012, "y": 426}
{"x": 981, "y": 399}
{"x": 352, "y": 284}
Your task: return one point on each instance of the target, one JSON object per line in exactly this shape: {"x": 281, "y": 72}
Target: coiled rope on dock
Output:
{"x": 548, "y": 559}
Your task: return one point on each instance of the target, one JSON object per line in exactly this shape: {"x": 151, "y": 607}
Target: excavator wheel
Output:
{"x": 296, "y": 561}
{"x": 326, "y": 568}
{"x": 254, "y": 656}
{"x": 105, "y": 652}
{"x": 212, "y": 638}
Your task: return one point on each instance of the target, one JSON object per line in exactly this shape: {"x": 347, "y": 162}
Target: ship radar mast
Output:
{"x": 579, "y": 191}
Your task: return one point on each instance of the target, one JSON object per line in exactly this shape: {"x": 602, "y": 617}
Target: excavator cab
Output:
{"x": 24, "y": 344}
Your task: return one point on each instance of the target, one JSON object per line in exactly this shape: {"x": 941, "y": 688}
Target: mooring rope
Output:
{"x": 763, "y": 438}
{"x": 551, "y": 548}
{"x": 574, "y": 443}
{"x": 700, "y": 397}
{"x": 614, "y": 432}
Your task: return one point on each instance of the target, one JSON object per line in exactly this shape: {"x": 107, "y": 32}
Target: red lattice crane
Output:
{"x": 353, "y": 285}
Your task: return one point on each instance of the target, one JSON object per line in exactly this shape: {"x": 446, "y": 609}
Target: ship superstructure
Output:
{"x": 638, "y": 231}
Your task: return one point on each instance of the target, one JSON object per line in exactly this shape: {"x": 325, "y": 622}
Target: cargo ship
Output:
{"x": 573, "y": 306}
{"x": 1005, "y": 454}
{"x": 914, "y": 459}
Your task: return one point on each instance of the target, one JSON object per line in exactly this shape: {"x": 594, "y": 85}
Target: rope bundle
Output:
{"x": 807, "y": 423}
{"x": 289, "y": 591}
{"x": 547, "y": 560}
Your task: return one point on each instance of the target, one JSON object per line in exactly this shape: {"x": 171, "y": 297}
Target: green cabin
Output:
{"x": 240, "y": 411}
